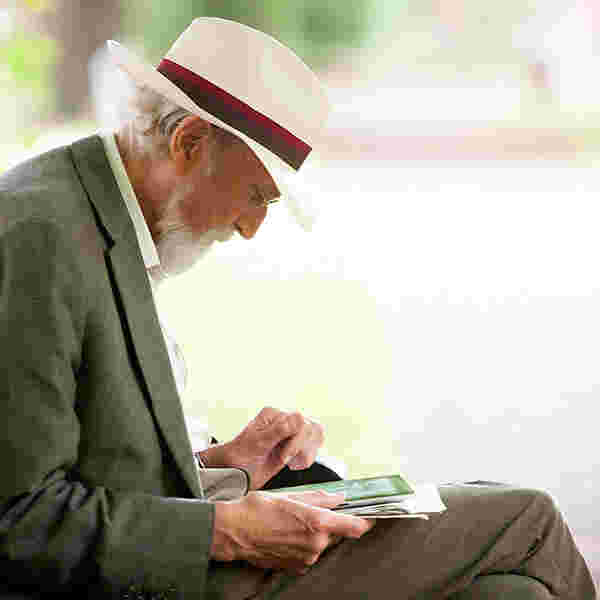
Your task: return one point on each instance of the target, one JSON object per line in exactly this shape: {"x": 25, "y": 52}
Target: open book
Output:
{"x": 382, "y": 497}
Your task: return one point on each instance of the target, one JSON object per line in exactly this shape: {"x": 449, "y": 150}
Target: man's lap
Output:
{"x": 417, "y": 558}
{"x": 504, "y": 587}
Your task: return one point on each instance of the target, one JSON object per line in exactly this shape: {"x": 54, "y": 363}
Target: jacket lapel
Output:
{"x": 135, "y": 296}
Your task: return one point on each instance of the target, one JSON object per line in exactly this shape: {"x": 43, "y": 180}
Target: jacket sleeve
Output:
{"x": 56, "y": 533}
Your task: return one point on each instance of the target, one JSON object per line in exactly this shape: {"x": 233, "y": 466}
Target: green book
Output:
{"x": 361, "y": 492}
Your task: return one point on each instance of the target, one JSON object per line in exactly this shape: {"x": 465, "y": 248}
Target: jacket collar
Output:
{"x": 147, "y": 246}
{"x": 101, "y": 187}
{"x": 135, "y": 295}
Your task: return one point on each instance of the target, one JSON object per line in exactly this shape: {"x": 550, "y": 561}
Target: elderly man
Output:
{"x": 100, "y": 493}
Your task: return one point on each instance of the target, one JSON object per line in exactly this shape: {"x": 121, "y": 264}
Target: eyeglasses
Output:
{"x": 259, "y": 199}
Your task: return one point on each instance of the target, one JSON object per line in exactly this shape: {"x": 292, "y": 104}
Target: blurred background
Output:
{"x": 442, "y": 319}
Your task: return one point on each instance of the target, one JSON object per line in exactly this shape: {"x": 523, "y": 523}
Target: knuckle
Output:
{"x": 266, "y": 417}
{"x": 284, "y": 428}
{"x": 296, "y": 419}
{"x": 266, "y": 414}
{"x": 317, "y": 522}
{"x": 269, "y": 413}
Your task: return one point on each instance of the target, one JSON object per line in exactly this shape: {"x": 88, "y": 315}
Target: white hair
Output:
{"x": 152, "y": 120}
{"x": 144, "y": 118}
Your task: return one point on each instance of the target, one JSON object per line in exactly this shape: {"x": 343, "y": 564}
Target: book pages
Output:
{"x": 426, "y": 499}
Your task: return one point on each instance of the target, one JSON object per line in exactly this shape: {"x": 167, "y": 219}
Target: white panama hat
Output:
{"x": 248, "y": 83}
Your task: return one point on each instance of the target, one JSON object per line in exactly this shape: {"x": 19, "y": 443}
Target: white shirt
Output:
{"x": 198, "y": 432}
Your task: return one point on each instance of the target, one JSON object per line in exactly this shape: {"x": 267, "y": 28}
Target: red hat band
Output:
{"x": 237, "y": 114}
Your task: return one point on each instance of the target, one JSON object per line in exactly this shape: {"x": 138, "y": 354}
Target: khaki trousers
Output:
{"x": 487, "y": 530}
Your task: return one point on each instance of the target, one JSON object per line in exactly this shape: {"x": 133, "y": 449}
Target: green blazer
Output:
{"x": 98, "y": 483}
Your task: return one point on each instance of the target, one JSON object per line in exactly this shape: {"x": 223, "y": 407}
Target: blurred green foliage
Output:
{"x": 29, "y": 60}
{"x": 316, "y": 29}
{"x": 39, "y": 5}
{"x": 327, "y": 26}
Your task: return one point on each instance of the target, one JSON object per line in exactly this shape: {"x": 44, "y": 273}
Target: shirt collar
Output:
{"x": 145, "y": 241}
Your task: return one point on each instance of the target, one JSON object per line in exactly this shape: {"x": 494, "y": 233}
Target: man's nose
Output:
{"x": 250, "y": 221}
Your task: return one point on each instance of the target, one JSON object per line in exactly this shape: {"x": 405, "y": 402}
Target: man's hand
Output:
{"x": 284, "y": 532}
{"x": 271, "y": 440}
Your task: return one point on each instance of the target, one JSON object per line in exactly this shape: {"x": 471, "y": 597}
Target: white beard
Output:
{"x": 179, "y": 249}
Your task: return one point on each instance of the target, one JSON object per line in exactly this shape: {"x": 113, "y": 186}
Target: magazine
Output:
{"x": 383, "y": 497}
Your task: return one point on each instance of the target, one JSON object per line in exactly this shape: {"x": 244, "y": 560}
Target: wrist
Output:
{"x": 223, "y": 546}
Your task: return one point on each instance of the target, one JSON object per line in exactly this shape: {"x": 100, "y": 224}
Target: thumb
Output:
{"x": 317, "y": 498}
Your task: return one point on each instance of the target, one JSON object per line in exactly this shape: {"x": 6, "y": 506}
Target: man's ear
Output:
{"x": 190, "y": 144}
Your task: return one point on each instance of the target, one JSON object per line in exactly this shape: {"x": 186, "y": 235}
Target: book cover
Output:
{"x": 358, "y": 492}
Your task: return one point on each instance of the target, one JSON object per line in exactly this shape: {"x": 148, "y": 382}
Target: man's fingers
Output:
{"x": 327, "y": 521}
{"x": 301, "y": 450}
{"x": 343, "y": 525}
{"x": 299, "y": 438}
{"x": 280, "y": 427}
{"x": 265, "y": 417}
{"x": 288, "y": 532}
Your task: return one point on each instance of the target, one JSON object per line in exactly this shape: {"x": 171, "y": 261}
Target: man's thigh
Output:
{"x": 504, "y": 587}
{"x": 486, "y": 529}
